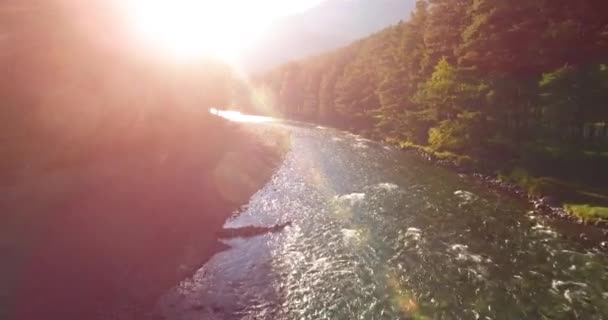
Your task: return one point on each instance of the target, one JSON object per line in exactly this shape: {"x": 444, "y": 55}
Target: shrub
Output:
{"x": 456, "y": 135}
{"x": 445, "y": 137}
{"x": 587, "y": 212}
{"x": 464, "y": 162}
{"x": 543, "y": 187}
{"x": 519, "y": 175}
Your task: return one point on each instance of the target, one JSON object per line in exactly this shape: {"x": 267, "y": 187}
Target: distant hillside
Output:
{"x": 520, "y": 88}
{"x": 332, "y": 24}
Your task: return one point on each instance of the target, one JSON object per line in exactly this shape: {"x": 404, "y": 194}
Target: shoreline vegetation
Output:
{"x": 517, "y": 92}
{"x": 546, "y": 195}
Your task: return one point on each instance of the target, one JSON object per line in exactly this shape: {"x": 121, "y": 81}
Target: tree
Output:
{"x": 462, "y": 66}
{"x": 447, "y": 20}
{"x": 326, "y": 95}
{"x": 446, "y": 94}
{"x": 289, "y": 95}
{"x": 462, "y": 134}
{"x": 503, "y": 37}
{"x": 573, "y": 96}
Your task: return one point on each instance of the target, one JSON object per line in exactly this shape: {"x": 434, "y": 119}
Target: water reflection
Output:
{"x": 237, "y": 116}
{"x": 378, "y": 235}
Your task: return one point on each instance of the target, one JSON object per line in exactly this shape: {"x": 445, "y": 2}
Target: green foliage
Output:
{"x": 543, "y": 187}
{"x": 460, "y": 161}
{"x": 446, "y": 136}
{"x": 464, "y": 162}
{"x": 440, "y": 94}
{"x": 483, "y": 78}
{"x": 517, "y": 176}
{"x": 456, "y": 135}
{"x": 536, "y": 187}
{"x": 587, "y": 212}
{"x": 533, "y": 70}
{"x": 573, "y": 96}
{"x": 443, "y": 32}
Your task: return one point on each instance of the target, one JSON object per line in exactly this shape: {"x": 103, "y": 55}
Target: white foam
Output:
{"x": 387, "y": 186}
{"x": 360, "y": 145}
{"x": 465, "y": 255}
{"x": 469, "y": 257}
{"x": 459, "y": 247}
{"x": 351, "y": 235}
{"x": 320, "y": 264}
{"x": 352, "y": 199}
{"x": 465, "y": 195}
{"x": 413, "y": 233}
{"x": 544, "y": 230}
{"x": 556, "y": 284}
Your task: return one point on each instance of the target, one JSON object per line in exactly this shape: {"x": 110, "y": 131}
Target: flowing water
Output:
{"x": 378, "y": 234}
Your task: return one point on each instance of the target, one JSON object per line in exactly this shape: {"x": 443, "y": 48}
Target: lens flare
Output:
{"x": 191, "y": 28}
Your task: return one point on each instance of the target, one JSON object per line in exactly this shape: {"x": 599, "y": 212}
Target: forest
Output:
{"x": 117, "y": 182}
{"x": 518, "y": 86}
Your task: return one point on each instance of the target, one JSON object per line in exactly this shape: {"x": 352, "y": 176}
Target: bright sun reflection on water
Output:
{"x": 236, "y": 116}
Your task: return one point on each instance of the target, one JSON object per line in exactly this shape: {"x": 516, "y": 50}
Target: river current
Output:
{"x": 378, "y": 234}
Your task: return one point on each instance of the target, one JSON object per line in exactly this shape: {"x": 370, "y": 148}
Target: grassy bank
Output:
{"x": 91, "y": 236}
{"x": 576, "y": 187}
{"x": 587, "y": 212}
{"x": 584, "y": 202}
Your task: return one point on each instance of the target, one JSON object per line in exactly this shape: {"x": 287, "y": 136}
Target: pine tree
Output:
{"x": 462, "y": 66}
{"x": 447, "y": 20}
{"x": 503, "y": 37}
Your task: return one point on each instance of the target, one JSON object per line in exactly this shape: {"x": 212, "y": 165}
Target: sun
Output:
{"x": 187, "y": 29}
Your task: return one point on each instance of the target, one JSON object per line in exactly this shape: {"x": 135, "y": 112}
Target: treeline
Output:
{"x": 466, "y": 76}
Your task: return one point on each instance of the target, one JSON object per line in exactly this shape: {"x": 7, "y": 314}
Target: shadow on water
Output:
{"x": 222, "y": 289}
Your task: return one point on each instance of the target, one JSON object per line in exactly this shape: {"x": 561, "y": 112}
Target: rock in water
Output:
{"x": 250, "y": 231}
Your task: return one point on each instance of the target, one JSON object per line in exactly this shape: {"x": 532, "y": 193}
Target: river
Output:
{"x": 378, "y": 234}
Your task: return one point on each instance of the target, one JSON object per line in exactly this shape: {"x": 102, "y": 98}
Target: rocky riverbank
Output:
{"x": 546, "y": 204}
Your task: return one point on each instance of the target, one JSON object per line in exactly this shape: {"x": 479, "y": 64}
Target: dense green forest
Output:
{"x": 518, "y": 82}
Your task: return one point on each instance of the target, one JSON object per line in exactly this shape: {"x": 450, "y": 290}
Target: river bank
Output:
{"x": 561, "y": 199}
{"x": 376, "y": 232}
{"x": 103, "y": 240}
{"x": 545, "y": 194}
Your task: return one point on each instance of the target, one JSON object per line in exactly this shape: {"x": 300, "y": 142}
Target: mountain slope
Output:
{"x": 332, "y": 24}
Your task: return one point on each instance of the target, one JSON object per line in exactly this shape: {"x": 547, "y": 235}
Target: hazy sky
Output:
{"x": 223, "y": 28}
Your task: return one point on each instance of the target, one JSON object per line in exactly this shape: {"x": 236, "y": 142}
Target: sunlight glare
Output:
{"x": 192, "y": 28}
{"x": 185, "y": 28}
{"x": 237, "y": 116}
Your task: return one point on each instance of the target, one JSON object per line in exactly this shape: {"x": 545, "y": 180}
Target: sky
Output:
{"x": 184, "y": 29}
